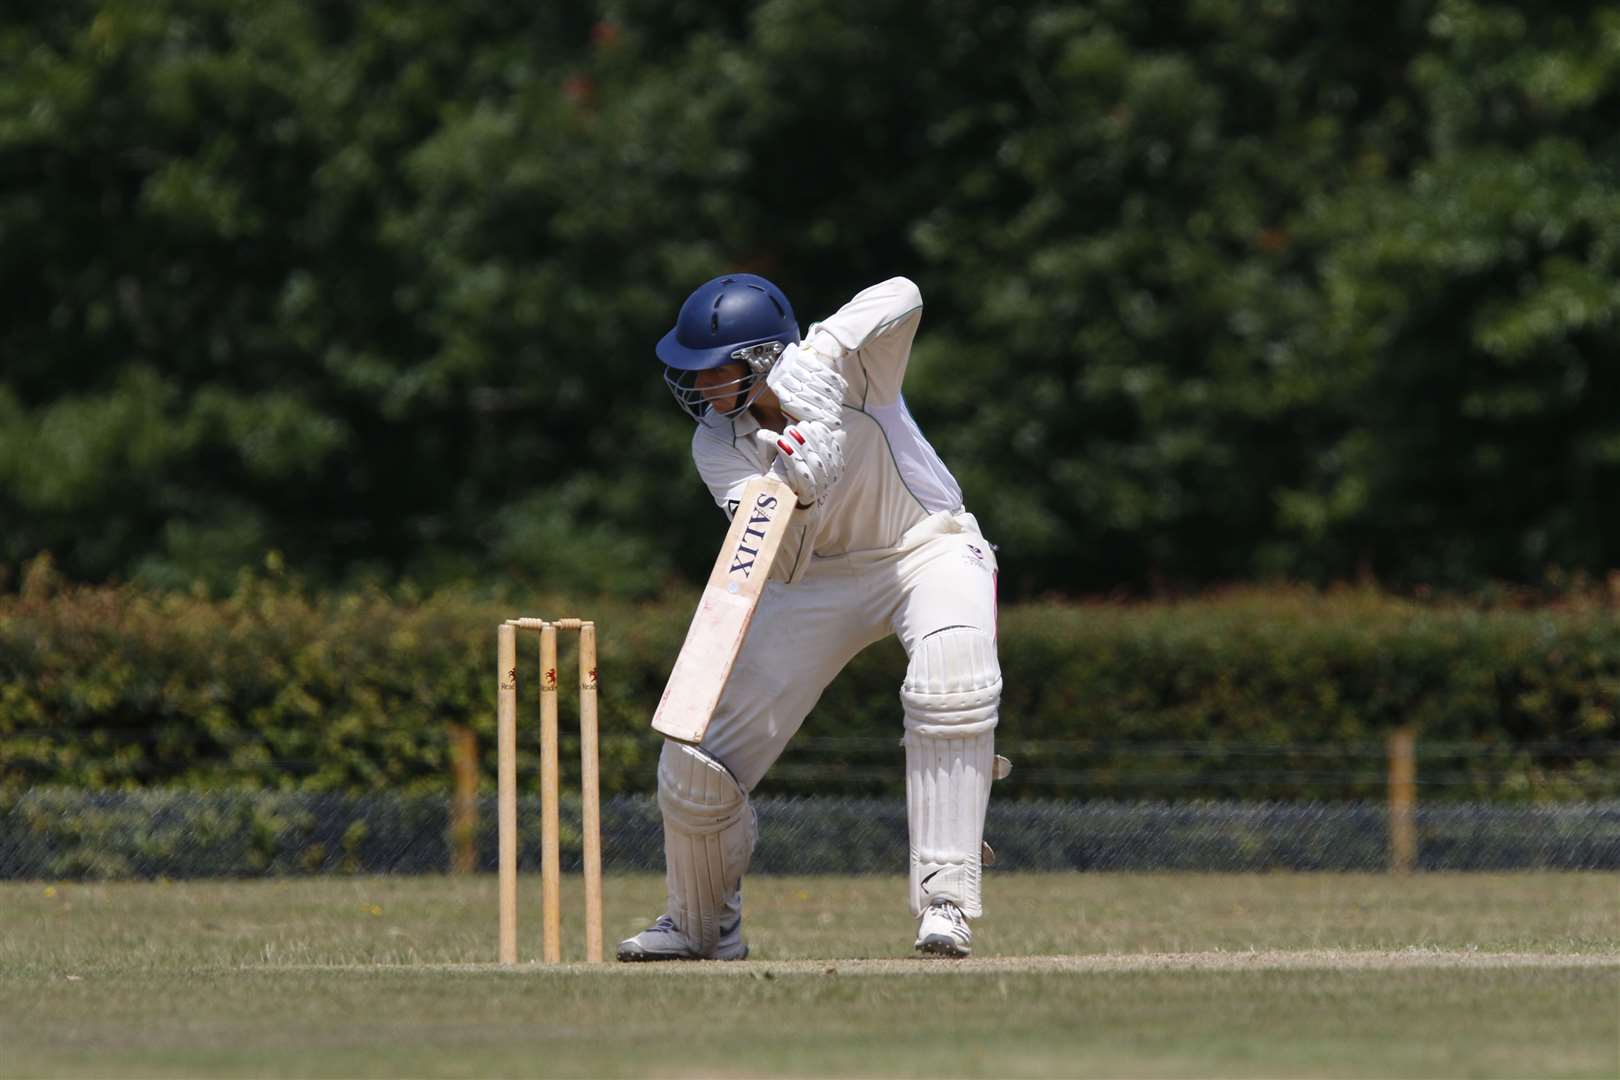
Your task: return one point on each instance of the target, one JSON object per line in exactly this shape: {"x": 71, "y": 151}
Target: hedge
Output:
{"x": 1271, "y": 694}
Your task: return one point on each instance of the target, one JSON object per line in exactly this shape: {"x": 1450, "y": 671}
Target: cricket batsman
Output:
{"x": 881, "y": 544}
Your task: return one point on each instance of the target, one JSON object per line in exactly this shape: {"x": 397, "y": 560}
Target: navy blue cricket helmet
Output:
{"x": 733, "y": 317}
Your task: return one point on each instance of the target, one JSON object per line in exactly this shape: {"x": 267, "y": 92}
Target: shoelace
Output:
{"x": 664, "y": 922}
{"x": 953, "y": 915}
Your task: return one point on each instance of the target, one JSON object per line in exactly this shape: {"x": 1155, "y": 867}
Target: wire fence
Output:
{"x": 58, "y": 833}
{"x": 1492, "y": 768}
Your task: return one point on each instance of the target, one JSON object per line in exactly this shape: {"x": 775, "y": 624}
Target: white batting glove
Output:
{"x": 807, "y": 386}
{"x": 810, "y": 456}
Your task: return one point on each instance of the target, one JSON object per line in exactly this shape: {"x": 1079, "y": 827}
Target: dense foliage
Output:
{"x": 1216, "y": 290}
{"x": 1280, "y": 694}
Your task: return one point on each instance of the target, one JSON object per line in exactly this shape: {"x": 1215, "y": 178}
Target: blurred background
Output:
{"x": 1275, "y": 343}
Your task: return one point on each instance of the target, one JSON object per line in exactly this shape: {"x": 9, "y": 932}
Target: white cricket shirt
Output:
{"x": 893, "y": 479}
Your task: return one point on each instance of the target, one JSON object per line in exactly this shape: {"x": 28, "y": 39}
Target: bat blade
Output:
{"x": 726, "y": 608}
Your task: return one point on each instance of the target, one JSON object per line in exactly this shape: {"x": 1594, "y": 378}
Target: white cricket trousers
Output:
{"x": 943, "y": 573}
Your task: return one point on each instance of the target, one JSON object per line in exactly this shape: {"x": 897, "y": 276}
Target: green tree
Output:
{"x": 1471, "y": 306}
{"x": 1225, "y": 289}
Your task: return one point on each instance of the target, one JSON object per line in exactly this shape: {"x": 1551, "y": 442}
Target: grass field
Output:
{"x": 1075, "y": 975}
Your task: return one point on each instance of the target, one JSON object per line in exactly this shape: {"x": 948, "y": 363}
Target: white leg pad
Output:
{"x": 709, "y": 834}
{"x": 951, "y": 697}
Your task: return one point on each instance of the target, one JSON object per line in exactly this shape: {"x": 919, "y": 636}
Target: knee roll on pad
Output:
{"x": 951, "y": 696}
{"x": 709, "y": 833}
{"x": 953, "y": 683}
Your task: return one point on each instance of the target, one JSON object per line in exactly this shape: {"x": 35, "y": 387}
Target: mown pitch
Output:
{"x": 1076, "y": 975}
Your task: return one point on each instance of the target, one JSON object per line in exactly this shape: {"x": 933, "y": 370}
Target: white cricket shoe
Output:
{"x": 944, "y": 931}
{"x": 663, "y": 940}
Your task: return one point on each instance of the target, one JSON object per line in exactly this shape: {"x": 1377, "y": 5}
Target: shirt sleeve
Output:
{"x": 872, "y": 337}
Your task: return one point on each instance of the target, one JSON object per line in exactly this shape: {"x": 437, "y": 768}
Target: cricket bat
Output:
{"x": 721, "y": 622}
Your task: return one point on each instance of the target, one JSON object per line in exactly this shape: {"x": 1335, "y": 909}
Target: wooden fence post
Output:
{"x": 464, "y": 802}
{"x": 1403, "y": 844}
